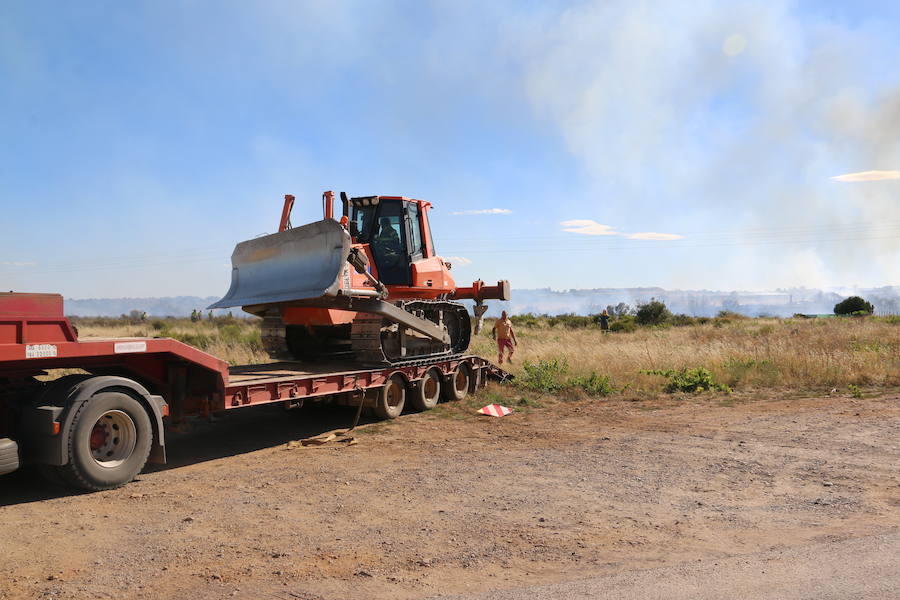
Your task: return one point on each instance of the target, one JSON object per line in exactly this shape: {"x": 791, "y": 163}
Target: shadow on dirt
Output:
{"x": 228, "y": 434}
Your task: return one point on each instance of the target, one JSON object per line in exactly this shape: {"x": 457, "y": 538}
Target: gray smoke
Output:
{"x": 734, "y": 111}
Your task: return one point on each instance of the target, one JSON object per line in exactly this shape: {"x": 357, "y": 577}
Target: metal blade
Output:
{"x": 298, "y": 264}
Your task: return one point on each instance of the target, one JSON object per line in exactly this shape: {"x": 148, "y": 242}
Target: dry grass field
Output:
{"x": 850, "y": 355}
{"x": 237, "y": 341}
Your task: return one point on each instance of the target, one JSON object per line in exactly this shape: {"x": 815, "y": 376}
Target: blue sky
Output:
{"x": 682, "y": 145}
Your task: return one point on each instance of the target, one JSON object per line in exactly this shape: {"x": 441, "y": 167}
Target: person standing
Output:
{"x": 604, "y": 321}
{"x": 505, "y": 336}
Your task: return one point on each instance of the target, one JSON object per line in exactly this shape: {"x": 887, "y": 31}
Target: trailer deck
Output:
{"x": 286, "y": 381}
{"x": 98, "y": 427}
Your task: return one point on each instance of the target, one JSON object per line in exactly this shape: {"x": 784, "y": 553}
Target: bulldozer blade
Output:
{"x": 297, "y": 264}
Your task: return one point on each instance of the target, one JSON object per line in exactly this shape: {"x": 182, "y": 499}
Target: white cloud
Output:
{"x": 7, "y": 263}
{"x": 458, "y": 260}
{"x": 484, "y": 211}
{"x": 868, "y": 176}
{"x": 649, "y": 235}
{"x": 587, "y": 227}
{"x": 734, "y": 44}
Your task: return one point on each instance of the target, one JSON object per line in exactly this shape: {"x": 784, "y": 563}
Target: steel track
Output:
{"x": 366, "y": 342}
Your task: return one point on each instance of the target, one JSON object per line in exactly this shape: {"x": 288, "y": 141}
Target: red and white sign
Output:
{"x": 494, "y": 410}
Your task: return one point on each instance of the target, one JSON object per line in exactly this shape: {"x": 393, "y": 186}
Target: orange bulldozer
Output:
{"x": 369, "y": 285}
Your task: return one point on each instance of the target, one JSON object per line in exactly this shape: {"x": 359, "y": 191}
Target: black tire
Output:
{"x": 456, "y": 387}
{"x": 391, "y": 398}
{"x": 427, "y": 391}
{"x": 109, "y": 442}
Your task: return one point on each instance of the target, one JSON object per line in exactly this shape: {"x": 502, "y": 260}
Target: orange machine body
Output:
{"x": 428, "y": 274}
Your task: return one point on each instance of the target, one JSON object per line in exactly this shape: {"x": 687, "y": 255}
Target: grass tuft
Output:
{"x": 687, "y": 380}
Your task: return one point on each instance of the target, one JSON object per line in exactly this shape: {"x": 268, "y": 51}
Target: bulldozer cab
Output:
{"x": 392, "y": 228}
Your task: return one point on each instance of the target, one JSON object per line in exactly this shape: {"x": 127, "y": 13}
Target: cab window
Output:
{"x": 387, "y": 237}
{"x": 415, "y": 233}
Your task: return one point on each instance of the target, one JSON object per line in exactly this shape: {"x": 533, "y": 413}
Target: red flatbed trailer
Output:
{"x": 96, "y": 429}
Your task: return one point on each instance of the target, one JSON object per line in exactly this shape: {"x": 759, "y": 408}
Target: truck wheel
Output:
{"x": 391, "y": 398}
{"x": 427, "y": 391}
{"x": 457, "y": 385}
{"x": 109, "y": 442}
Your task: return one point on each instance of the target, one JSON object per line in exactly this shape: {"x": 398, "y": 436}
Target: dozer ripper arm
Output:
{"x": 479, "y": 293}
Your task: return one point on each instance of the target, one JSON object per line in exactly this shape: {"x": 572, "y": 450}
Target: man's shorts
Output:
{"x": 504, "y": 343}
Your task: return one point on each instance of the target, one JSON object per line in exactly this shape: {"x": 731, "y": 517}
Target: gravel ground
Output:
{"x": 863, "y": 567}
{"x": 450, "y": 503}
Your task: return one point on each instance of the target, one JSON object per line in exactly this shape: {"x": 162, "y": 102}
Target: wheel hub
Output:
{"x": 460, "y": 381}
{"x": 430, "y": 388}
{"x": 113, "y": 438}
{"x": 394, "y": 394}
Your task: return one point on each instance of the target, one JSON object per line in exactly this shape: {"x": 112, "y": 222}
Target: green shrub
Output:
{"x": 594, "y": 385}
{"x": 623, "y": 324}
{"x": 854, "y": 305}
{"x": 730, "y": 315}
{"x": 570, "y": 321}
{"x": 197, "y": 340}
{"x": 544, "y": 376}
{"x": 230, "y": 333}
{"x": 526, "y": 320}
{"x": 652, "y": 313}
{"x": 689, "y": 380}
{"x": 682, "y": 320}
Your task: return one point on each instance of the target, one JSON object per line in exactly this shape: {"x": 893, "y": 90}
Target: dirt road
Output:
{"x": 863, "y": 567}
{"x": 446, "y": 503}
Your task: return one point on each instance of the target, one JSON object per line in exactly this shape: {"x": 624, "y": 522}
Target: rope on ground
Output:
{"x": 343, "y": 437}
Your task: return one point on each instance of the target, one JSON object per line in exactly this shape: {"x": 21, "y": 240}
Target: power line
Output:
{"x": 657, "y": 245}
{"x": 750, "y": 233}
{"x": 555, "y": 243}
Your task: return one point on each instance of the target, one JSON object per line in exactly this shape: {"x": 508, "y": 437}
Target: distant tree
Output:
{"x": 619, "y": 310}
{"x": 854, "y": 305}
{"x": 135, "y": 316}
{"x": 652, "y": 313}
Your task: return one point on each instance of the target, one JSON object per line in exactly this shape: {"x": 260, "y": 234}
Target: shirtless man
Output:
{"x": 505, "y": 336}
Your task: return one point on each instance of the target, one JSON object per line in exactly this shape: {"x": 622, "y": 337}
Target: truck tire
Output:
{"x": 427, "y": 391}
{"x": 457, "y": 385}
{"x": 391, "y": 398}
{"x": 109, "y": 442}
